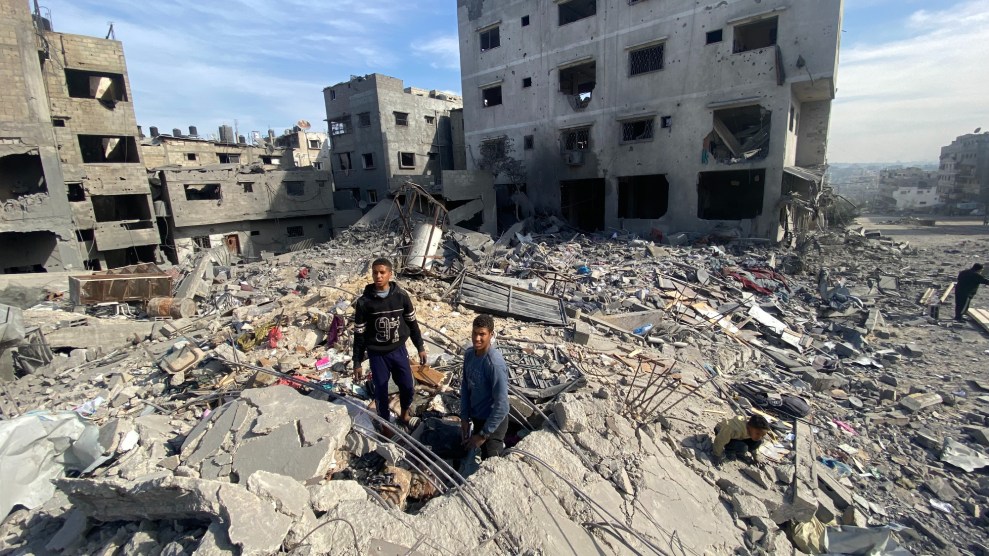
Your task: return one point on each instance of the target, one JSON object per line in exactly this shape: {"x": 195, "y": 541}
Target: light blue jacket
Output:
{"x": 484, "y": 389}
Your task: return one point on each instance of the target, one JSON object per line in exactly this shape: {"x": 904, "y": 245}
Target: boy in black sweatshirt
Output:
{"x": 384, "y": 319}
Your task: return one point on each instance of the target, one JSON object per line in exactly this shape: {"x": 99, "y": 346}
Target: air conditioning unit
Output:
{"x": 574, "y": 158}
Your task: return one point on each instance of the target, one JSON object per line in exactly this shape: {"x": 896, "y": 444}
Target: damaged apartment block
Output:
{"x": 721, "y": 110}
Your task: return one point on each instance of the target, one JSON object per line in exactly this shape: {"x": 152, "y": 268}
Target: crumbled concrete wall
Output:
{"x": 255, "y": 237}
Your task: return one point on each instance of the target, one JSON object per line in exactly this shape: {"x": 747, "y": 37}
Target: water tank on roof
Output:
{"x": 227, "y": 134}
{"x": 154, "y": 131}
{"x": 193, "y": 132}
{"x": 242, "y": 140}
{"x": 176, "y": 132}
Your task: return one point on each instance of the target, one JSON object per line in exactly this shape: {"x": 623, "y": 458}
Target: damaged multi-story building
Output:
{"x": 269, "y": 195}
{"x": 655, "y": 116}
{"x": 907, "y": 189}
{"x": 963, "y": 173}
{"x": 74, "y": 191}
{"x": 383, "y": 133}
{"x": 295, "y": 148}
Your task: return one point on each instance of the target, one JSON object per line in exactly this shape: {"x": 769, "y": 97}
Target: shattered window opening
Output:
{"x": 491, "y": 96}
{"x": 525, "y": 21}
{"x": 730, "y": 195}
{"x": 755, "y": 35}
{"x": 340, "y": 126}
{"x": 490, "y": 38}
{"x": 430, "y": 120}
{"x": 646, "y": 60}
{"x": 643, "y": 197}
{"x": 715, "y": 36}
{"x": 343, "y": 159}
{"x": 740, "y": 134}
{"x": 575, "y": 10}
{"x": 58, "y": 122}
{"x": 401, "y": 118}
{"x": 372, "y": 196}
{"x": 526, "y": 82}
{"x": 577, "y": 139}
{"x": 106, "y": 87}
{"x": 190, "y": 156}
{"x": 202, "y": 192}
{"x": 295, "y": 188}
{"x": 295, "y": 231}
{"x": 228, "y": 158}
{"x": 76, "y": 192}
{"x": 364, "y": 119}
{"x": 314, "y": 143}
{"x": 528, "y": 142}
{"x": 637, "y": 130}
{"x": 200, "y": 242}
{"x": 108, "y": 148}
{"x": 368, "y": 160}
{"x": 247, "y": 186}
{"x": 577, "y": 82}
{"x": 406, "y": 160}
{"x": 271, "y": 160}
{"x": 20, "y": 175}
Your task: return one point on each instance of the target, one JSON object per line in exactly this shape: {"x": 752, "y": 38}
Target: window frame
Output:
{"x": 405, "y": 166}
{"x": 485, "y": 34}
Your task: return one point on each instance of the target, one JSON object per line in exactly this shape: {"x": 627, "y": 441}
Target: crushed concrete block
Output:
{"x": 979, "y": 434}
{"x": 215, "y": 542}
{"x": 748, "y": 506}
{"x": 217, "y": 434}
{"x": 392, "y": 453}
{"x": 757, "y": 476}
{"x": 251, "y": 524}
{"x": 570, "y": 414}
{"x": 72, "y": 532}
{"x": 854, "y": 517}
{"x": 928, "y": 439}
{"x": 801, "y": 502}
{"x": 279, "y": 405}
{"x": 832, "y": 488}
{"x": 287, "y": 494}
{"x": 821, "y": 382}
{"x": 325, "y": 497}
{"x": 919, "y": 401}
{"x": 322, "y": 426}
{"x": 942, "y": 489}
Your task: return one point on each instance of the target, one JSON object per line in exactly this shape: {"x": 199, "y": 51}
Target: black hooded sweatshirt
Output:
{"x": 382, "y": 324}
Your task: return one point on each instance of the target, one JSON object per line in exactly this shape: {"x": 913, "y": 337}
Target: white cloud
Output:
{"x": 902, "y": 100}
{"x": 444, "y": 51}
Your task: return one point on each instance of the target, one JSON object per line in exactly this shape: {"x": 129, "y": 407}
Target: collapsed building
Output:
{"x": 963, "y": 174}
{"x": 645, "y": 117}
{"x": 73, "y": 188}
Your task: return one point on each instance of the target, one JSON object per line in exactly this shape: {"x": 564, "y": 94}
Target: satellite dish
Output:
{"x": 303, "y": 124}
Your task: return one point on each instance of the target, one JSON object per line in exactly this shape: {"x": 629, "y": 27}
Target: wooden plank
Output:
{"x": 947, "y": 292}
{"x": 981, "y": 317}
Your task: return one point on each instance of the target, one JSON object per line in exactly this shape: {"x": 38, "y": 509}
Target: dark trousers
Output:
{"x": 738, "y": 448}
{"x": 962, "y": 300}
{"x": 495, "y": 443}
{"x": 394, "y": 364}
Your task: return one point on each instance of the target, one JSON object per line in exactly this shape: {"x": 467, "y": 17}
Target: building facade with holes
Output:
{"x": 73, "y": 189}
{"x": 655, "y": 116}
{"x": 383, "y": 133}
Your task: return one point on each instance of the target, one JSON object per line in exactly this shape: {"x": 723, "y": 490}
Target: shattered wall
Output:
{"x": 963, "y": 173}
{"x": 26, "y": 130}
{"x": 380, "y": 129}
{"x": 653, "y": 112}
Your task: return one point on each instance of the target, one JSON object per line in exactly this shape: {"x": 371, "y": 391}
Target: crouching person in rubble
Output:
{"x": 739, "y": 438}
{"x": 384, "y": 319}
{"x": 484, "y": 392}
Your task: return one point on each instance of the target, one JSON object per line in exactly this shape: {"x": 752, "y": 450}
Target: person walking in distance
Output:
{"x": 384, "y": 319}
{"x": 968, "y": 284}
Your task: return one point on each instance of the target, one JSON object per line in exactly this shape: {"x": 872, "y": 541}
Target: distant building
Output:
{"x": 293, "y": 149}
{"x": 647, "y": 115}
{"x": 383, "y": 133}
{"x": 907, "y": 189}
{"x": 963, "y": 174}
{"x": 73, "y": 187}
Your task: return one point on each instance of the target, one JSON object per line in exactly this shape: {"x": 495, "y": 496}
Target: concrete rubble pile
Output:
{"x": 240, "y": 430}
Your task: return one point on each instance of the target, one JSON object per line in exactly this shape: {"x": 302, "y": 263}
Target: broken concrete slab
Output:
{"x": 920, "y": 401}
{"x": 251, "y": 523}
{"x": 325, "y": 497}
{"x": 288, "y": 495}
{"x": 282, "y": 452}
{"x": 570, "y": 414}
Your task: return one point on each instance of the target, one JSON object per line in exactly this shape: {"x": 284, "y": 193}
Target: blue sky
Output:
{"x": 912, "y": 76}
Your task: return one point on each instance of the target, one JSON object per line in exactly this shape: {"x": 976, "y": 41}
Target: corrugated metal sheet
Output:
{"x": 506, "y": 300}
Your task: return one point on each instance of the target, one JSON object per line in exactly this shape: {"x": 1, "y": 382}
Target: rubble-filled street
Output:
{"x": 235, "y": 425}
